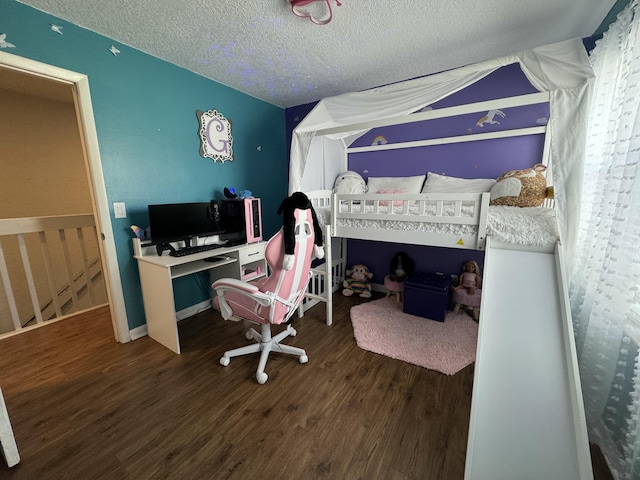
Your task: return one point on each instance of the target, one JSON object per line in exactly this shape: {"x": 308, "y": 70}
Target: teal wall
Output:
{"x": 145, "y": 115}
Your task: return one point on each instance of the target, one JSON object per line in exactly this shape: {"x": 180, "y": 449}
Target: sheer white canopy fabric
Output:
{"x": 563, "y": 69}
{"x": 604, "y": 289}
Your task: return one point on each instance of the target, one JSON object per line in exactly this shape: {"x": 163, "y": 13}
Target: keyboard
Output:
{"x": 190, "y": 250}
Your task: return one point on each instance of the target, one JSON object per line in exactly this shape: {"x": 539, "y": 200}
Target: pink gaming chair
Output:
{"x": 272, "y": 301}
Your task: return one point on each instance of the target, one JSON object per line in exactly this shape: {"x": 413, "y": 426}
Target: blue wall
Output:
{"x": 145, "y": 115}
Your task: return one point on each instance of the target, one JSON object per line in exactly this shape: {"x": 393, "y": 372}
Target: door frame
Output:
{"x": 79, "y": 84}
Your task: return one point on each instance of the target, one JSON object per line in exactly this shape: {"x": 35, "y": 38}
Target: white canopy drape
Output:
{"x": 562, "y": 69}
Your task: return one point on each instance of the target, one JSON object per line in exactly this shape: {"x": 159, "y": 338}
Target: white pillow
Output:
{"x": 442, "y": 184}
{"x": 403, "y": 184}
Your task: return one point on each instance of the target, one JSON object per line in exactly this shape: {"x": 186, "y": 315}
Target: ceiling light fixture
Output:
{"x": 318, "y": 11}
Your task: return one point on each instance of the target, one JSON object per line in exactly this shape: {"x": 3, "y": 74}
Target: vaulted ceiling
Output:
{"x": 260, "y": 48}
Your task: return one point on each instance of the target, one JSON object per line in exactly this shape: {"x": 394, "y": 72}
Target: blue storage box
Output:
{"x": 427, "y": 295}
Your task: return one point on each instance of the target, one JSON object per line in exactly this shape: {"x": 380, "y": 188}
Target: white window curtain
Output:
{"x": 605, "y": 279}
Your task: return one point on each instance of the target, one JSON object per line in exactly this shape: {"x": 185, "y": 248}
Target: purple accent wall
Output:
{"x": 465, "y": 160}
{"x": 479, "y": 159}
{"x": 377, "y": 256}
{"x": 460, "y": 125}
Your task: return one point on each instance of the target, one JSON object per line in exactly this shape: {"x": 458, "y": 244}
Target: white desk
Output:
{"x": 157, "y": 273}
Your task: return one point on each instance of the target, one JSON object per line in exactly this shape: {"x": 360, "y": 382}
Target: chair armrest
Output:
{"x": 245, "y": 289}
{"x": 236, "y": 285}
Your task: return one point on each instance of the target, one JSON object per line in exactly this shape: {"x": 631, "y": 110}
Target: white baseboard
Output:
{"x": 139, "y": 332}
{"x": 142, "y": 331}
{"x": 193, "y": 309}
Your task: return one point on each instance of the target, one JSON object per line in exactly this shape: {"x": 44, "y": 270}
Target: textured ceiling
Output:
{"x": 260, "y": 48}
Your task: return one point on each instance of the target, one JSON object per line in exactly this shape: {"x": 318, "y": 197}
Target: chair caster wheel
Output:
{"x": 303, "y": 359}
{"x": 262, "y": 378}
{"x": 224, "y": 361}
{"x": 248, "y": 335}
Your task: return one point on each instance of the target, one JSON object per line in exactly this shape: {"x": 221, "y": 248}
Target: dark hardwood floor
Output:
{"x": 85, "y": 407}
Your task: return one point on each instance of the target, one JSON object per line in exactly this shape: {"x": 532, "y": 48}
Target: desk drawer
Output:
{"x": 251, "y": 253}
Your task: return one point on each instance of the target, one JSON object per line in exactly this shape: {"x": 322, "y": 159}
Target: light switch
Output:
{"x": 119, "y": 210}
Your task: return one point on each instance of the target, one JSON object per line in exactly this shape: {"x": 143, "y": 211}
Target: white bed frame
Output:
{"x": 430, "y": 209}
{"x": 521, "y": 420}
{"x": 325, "y": 281}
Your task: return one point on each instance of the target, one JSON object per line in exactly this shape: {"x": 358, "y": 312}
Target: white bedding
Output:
{"x": 523, "y": 226}
{"x": 515, "y": 225}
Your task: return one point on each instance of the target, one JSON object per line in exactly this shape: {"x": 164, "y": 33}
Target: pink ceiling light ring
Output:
{"x": 318, "y": 11}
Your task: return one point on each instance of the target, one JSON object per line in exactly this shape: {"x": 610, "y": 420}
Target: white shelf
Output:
{"x": 198, "y": 266}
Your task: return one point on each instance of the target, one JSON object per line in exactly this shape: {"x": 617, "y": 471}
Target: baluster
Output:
{"x": 458, "y": 208}
{"x": 4, "y": 273}
{"x": 28, "y": 272}
{"x": 48, "y": 266}
{"x": 85, "y": 262}
{"x": 68, "y": 269}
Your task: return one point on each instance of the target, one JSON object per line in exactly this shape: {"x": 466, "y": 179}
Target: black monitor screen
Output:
{"x": 179, "y": 221}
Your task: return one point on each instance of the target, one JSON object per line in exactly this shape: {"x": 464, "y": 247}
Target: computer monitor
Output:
{"x": 181, "y": 221}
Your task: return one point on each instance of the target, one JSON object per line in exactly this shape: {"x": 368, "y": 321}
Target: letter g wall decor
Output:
{"x": 216, "y": 141}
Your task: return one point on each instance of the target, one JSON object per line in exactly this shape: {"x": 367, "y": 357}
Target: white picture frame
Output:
{"x": 216, "y": 141}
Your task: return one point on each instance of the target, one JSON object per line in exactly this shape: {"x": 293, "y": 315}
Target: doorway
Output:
{"x": 46, "y": 79}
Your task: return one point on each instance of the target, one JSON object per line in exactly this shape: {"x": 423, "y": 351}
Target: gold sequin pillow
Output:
{"x": 520, "y": 188}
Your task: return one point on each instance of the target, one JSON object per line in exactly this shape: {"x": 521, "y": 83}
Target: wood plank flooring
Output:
{"x": 85, "y": 407}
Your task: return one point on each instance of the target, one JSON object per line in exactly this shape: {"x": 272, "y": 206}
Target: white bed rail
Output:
{"x": 413, "y": 218}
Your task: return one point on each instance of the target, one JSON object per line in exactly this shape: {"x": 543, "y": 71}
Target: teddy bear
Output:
{"x": 357, "y": 281}
{"x": 520, "y": 188}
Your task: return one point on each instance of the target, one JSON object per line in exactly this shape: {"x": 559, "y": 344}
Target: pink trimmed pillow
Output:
{"x": 396, "y": 203}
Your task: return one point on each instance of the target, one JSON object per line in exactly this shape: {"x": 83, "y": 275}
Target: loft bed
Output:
{"x": 453, "y": 220}
{"x": 443, "y": 220}
{"x": 527, "y": 415}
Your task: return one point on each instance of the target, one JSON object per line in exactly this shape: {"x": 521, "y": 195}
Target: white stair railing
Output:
{"x": 67, "y": 267}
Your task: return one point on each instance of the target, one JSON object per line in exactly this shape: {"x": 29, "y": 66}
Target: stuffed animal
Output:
{"x": 298, "y": 200}
{"x": 232, "y": 193}
{"x": 357, "y": 282}
{"x": 400, "y": 267}
{"x": 520, "y": 188}
{"x": 349, "y": 183}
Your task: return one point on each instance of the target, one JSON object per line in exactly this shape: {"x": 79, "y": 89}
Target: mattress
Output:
{"x": 522, "y": 226}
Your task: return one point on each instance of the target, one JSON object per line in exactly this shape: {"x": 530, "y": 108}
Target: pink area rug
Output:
{"x": 381, "y": 327}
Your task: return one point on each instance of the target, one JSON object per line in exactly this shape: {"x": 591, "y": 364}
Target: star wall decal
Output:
{"x": 4, "y": 43}
{"x": 114, "y": 51}
{"x": 56, "y": 28}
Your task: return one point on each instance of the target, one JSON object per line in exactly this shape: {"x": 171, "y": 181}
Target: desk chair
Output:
{"x": 272, "y": 300}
